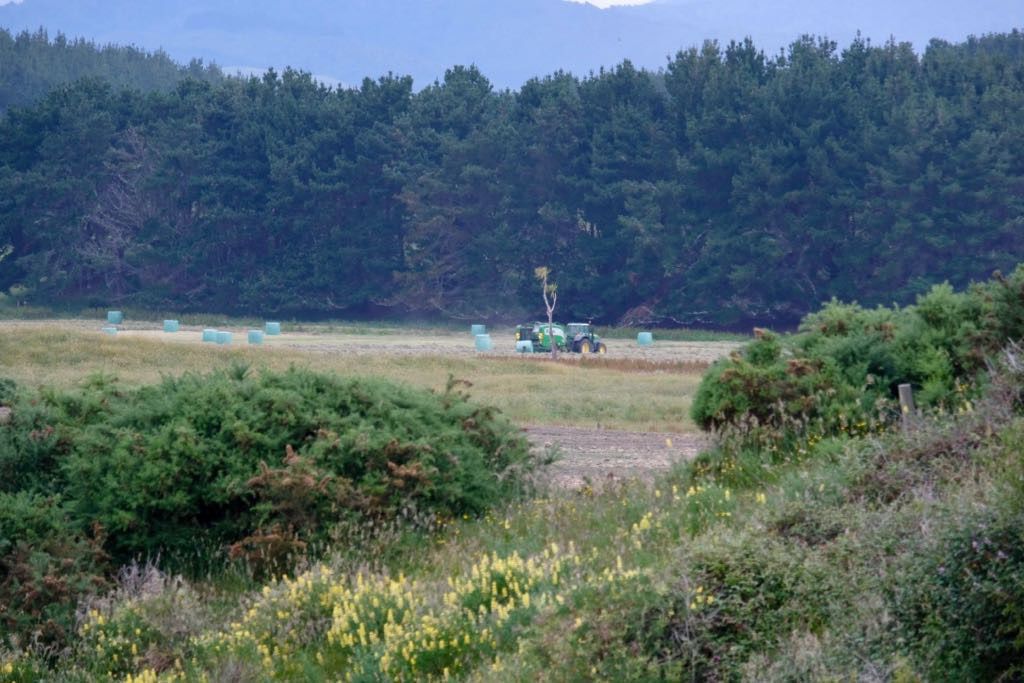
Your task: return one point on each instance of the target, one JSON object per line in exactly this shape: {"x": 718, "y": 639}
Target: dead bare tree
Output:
{"x": 550, "y": 292}
{"x": 123, "y": 206}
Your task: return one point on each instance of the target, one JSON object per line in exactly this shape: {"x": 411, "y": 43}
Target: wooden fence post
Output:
{"x": 907, "y": 409}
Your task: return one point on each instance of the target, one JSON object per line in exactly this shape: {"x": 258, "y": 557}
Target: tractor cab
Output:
{"x": 581, "y": 338}
{"x": 574, "y": 329}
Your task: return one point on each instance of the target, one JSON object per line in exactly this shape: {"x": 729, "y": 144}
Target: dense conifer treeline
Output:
{"x": 31, "y": 65}
{"x": 731, "y": 187}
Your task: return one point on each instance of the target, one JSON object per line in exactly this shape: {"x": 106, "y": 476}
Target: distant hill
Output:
{"x": 509, "y": 40}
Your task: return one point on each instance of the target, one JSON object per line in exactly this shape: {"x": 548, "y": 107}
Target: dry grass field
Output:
{"x": 632, "y": 388}
{"x": 624, "y": 414}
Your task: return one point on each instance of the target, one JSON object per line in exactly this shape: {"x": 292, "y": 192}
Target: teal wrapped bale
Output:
{"x": 525, "y": 346}
{"x": 479, "y": 329}
{"x": 645, "y": 339}
{"x": 483, "y": 342}
{"x": 223, "y": 338}
{"x": 110, "y": 330}
{"x": 272, "y": 328}
{"x": 255, "y": 337}
{"x": 210, "y": 335}
{"x": 171, "y": 326}
{"x": 115, "y": 317}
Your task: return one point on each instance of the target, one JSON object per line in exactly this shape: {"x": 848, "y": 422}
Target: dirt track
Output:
{"x": 598, "y": 455}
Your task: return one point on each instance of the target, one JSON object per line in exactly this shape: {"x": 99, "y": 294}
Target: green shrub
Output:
{"x": 231, "y": 456}
{"x": 1011, "y": 440}
{"x": 266, "y": 464}
{"x": 8, "y": 388}
{"x": 757, "y": 387}
{"x": 959, "y": 599}
{"x": 840, "y": 372}
{"x": 733, "y": 597}
{"x": 119, "y": 643}
{"x": 1000, "y": 311}
{"x": 46, "y": 564}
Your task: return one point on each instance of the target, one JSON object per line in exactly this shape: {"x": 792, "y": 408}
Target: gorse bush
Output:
{"x": 756, "y": 385}
{"x": 839, "y": 373}
{"x": 958, "y": 593}
{"x": 45, "y": 566}
{"x": 265, "y": 463}
{"x": 959, "y": 598}
{"x": 733, "y": 597}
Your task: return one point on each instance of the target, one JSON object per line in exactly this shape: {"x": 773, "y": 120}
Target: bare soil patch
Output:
{"x": 597, "y": 456}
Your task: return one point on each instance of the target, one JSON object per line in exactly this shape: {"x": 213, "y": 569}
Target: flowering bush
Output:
{"x": 369, "y": 627}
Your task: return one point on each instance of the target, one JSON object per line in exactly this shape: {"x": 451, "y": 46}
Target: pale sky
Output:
{"x": 599, "y": 3}
{"x": 608, "y": 3}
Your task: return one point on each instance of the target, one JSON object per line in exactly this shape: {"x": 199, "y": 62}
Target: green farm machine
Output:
{"x": 575, "y": 337}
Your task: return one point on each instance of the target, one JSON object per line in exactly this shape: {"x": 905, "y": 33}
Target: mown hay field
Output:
{"x": 631, "y": 388}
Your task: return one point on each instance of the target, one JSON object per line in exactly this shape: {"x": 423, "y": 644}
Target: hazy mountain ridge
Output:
{"x": 510, "y": 40}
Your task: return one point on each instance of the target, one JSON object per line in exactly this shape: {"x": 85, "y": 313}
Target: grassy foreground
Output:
{"x": 612, "y": 393}
{"x": 889, "y": 556}
{"x": 886, "y": 558}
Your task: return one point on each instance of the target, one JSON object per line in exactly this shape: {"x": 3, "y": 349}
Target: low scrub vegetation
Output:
{"x": 263, "y": 466}
{"x": 840, "y": 372}
{"x": 895, "y": 556}
{"x": 793, "y": 550}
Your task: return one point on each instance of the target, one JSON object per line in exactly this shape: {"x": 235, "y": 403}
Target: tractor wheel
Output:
{"x": 585, "y": 346}
{"x": 601, "y": 348}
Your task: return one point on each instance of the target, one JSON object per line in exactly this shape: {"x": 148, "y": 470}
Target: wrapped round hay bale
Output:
{"x": 115, "y": 317}
{"x": 223, "y": 338}
{"x": 483, "y": 342}
{"x": 171, "y": 326}
{"x": 210, "y": 335}
{"x": 478, "y": 329}
{"x": 255, "y": 337}
{"x": 645, "y": 339}
{"x": 272, "y": 329}
{"x": 110, "y": 329}
{"x": 525, "y": 346}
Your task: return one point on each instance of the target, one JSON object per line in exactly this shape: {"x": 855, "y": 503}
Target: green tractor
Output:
{"x": 575, "y": 337}
{"x": 583, "y": 339}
